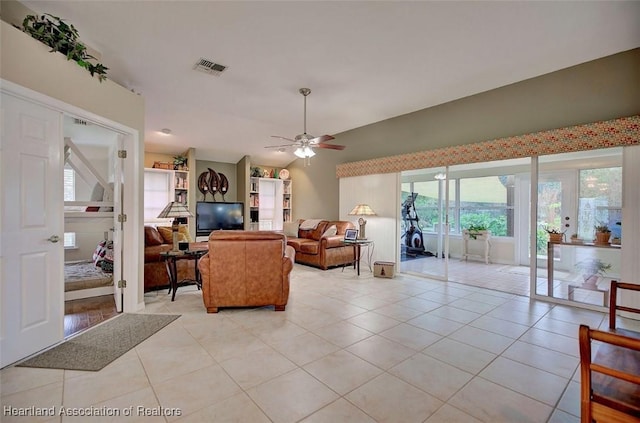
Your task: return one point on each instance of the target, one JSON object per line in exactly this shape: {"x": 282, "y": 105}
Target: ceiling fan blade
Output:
{"x": 281, "y": 146}
{"x": 330, "y": 146}
{"x": 320, "y": 139}
{"x": 283, "y": 138}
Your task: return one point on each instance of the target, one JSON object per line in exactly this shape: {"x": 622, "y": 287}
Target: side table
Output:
{"x": 357, "y": 251}
{"x": 171, "y": 258}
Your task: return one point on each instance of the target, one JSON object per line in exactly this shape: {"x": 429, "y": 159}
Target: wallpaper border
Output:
{"x": 610, "y": 133}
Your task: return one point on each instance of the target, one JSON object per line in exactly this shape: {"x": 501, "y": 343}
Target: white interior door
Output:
{"x": 118, "y": 209}
{"x": 31, "y": 245}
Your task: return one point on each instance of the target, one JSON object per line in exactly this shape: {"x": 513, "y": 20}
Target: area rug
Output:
{"x": 94, "y": 349}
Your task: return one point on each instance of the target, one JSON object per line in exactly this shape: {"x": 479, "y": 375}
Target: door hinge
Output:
{"x": 122, "y": 283}
{"x": 122, "y": 218}
{"x": 122, "y": 154}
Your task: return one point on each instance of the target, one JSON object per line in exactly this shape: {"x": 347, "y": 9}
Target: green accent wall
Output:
{"x": 602, "y": 89}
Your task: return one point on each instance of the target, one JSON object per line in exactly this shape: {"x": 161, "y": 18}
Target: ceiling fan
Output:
{"x": 304, "y": 142}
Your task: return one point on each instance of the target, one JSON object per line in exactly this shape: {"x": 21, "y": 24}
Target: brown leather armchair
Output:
{"x": 246, "y": 268}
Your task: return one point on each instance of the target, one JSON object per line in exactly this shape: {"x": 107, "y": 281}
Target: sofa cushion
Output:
{"x": 331, "y": 231}
{"x": 152, "y": 237}
{"x": 310, "y": 247}
{"x": 304, "y": 245}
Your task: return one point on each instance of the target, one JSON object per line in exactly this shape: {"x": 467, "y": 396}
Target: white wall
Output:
{"x": 28, "y": 63}
{"x": 381, "y": 193}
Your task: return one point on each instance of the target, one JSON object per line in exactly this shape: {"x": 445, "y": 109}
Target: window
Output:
{"x": 599, "y": 200}
{"x": 157, "y": 194}
{"x": 69, "y": 195}
{"x": 487, "y": 201}
{"x": 69, "y": 184}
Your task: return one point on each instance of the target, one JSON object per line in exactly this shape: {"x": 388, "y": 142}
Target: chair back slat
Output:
{"x": 610, "y": 377}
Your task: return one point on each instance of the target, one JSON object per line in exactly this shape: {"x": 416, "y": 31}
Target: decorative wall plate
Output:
{"x": 284, "y": 174}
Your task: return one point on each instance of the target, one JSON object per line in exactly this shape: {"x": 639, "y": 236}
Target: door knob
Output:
{"x": 53, "y": 238}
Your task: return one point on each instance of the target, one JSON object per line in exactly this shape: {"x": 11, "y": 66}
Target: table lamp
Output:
{"x": 362, "y": 210}
{"x": 175, "y": 210}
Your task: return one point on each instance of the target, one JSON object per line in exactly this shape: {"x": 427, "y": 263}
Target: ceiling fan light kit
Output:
{"x": 304, "y": 142}
{"x": 304, "y": 152}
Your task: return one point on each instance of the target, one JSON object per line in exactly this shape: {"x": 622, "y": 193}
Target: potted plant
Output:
{"x": 592, "y": 269}
{"x": 479, "y": 230}
{"x": 555, "y": 234}
{"x": 63, "y": 37}
{"x": 603, "y": 233}
{"x": 179, "y": 162}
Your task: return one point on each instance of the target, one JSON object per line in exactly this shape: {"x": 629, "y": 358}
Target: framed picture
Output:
{"x": 351, "y": 235}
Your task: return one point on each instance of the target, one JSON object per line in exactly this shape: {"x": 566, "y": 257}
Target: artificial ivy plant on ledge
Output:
{"x": 60, "y": 36}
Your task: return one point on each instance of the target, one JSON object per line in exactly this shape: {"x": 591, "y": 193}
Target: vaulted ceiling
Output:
{"x": 364, "y": 61}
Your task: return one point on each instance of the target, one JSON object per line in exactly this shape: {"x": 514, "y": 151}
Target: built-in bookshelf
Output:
{"x": 269, "y": 203}
{"x": 181, "y": 186}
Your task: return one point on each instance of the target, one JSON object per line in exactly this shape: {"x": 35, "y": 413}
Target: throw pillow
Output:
{"x": 331, "y": 231}
{"x": 104, "y": 249}
{"x": 291, "y": 229}
{"x": 310, "y": 224}
{"x": 167, "y": 235}
{"x": 99, "y": 253}
{"x": 107, "y": 265}
{"x": 107, "y": 262}
{"x": 152, "y": 237}
{"x": 184, "y": 229}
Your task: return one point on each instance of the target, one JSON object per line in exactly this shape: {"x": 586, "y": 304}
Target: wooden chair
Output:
{"x": 610, "y": 384}
{"x": 613, "y": 305}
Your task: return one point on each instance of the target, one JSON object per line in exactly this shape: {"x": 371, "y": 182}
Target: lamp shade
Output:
{"x": 175, "y": 209}
{"x": 362, "y": 210}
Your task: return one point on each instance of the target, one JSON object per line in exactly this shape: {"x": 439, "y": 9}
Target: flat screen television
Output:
{"x": 216, "y": 216}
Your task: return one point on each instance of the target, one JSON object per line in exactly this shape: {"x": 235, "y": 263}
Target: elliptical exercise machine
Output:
{"x": 413, "y": 241}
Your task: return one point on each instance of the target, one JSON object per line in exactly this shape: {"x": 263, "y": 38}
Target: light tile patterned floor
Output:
{"x": 347, "y": 348}
{"x": 508, "y": 278}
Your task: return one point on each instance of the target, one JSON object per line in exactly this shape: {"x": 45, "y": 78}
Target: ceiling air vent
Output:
{"x": 210, "y": 67}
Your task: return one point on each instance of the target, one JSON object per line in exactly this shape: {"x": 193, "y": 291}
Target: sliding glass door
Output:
{"x": 576, "y": 194}
{"x": 424, "y": 240}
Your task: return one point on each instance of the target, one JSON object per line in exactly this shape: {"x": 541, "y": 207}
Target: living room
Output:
{"x": 603, "y": 89}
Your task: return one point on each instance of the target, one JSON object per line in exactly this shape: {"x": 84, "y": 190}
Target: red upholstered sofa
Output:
{"x": 155, "y": 271}
{"x": 319, "y": 248}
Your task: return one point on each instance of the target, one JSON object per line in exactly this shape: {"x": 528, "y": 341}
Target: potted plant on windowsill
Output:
{"x": 592, "y": 269}
{"x": 555, "y": 234}
{"x": 603, "y": 233}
